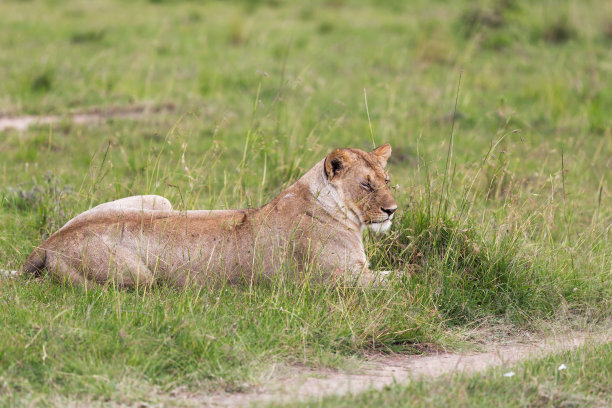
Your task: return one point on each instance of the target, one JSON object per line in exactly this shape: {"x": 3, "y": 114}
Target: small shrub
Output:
{"x": 559, "y": 31}
{"x": 325, "y": 27}
{"x": 91, "y": 36}
{"x": 42, "y": 82}
{"x": 607, "y": 30}
{"x": 474, "y": 19}
{"x": 237, "y": 32}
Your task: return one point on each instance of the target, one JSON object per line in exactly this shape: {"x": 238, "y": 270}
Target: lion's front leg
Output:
{"x": 361, "y": 275}
{"x": 370, "y": 278}
{"x": 343, "y": 260}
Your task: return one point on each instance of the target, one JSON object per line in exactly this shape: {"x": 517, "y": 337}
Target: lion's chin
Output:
{"x": 380, "y": 227}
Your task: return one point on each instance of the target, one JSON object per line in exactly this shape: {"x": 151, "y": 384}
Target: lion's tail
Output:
{"x": 36, "y": 262}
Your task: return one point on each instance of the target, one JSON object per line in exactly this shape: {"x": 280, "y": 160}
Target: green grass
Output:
{"x": 536, "y": 383}
{"x": 512, "y": 228}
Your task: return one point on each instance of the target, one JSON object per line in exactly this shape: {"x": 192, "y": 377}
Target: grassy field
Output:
{"x": 505, "y": 222}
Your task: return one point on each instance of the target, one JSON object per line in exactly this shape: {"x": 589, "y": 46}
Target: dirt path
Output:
{"x": 298, "y": 384}
{"x": 22, "y": 123}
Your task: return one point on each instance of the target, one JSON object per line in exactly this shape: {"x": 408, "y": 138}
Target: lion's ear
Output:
{"x": 382, "y": 153}
{"x": 335, "y": 163}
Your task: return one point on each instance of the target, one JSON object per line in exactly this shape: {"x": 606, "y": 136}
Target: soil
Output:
{"x": 22, "y": 123}
{"x": 299, "y": 383}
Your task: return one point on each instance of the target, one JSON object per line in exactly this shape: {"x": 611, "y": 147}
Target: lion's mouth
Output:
{"x": 380, "y": 226}
{"x": 381, "y": 221}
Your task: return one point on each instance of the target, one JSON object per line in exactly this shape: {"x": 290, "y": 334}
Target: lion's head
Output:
{"x": 362, "y": 184}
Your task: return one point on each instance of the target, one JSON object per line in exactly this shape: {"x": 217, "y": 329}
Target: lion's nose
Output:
{"x": 389, "y": 211}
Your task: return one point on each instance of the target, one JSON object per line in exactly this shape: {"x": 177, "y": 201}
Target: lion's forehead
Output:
{"x": 377, "y": 173}
{"x": 369, "y": 166}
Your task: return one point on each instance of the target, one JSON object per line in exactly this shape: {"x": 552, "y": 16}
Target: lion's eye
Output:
{"x": 387, "y": 181}
{"x": 366, "y": 185}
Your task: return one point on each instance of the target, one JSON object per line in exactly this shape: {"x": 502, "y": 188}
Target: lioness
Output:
{"x": 316, "y": 221}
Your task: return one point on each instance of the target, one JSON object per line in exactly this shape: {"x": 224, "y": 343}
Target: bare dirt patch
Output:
{"x": 299, "y": 384}
{"x": 96, "y": 115}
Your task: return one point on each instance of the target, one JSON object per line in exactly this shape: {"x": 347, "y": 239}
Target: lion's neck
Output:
{"x": 327, "y": 198}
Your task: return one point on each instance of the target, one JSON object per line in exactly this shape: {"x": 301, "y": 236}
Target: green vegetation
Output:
{"x": 505, "y": 222}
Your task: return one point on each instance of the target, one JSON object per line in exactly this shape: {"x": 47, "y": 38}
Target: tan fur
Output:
{"x": 317, "y": 221}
